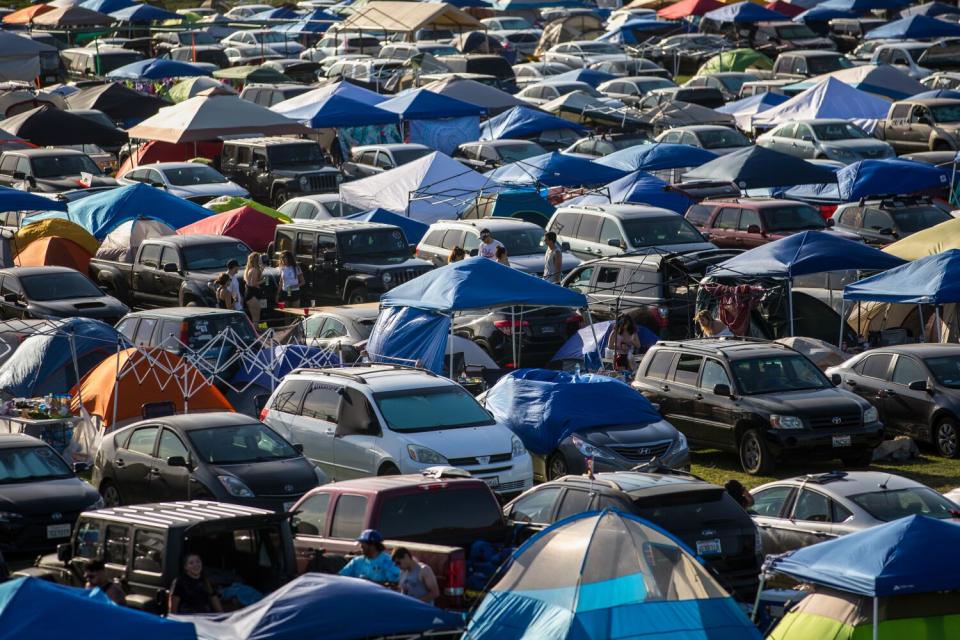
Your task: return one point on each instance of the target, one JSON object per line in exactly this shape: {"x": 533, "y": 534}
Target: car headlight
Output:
{"x": 870, "y": 415}
{"x": 843, "y": 154}
{"x": 303, "y": 182}
{"x": 387, "y": 278}
{"x": 424, "y": 455}
{"x": 235, "y": 487}
{"x": 588, "y": 450}
{"x": 99, "y": 504}
{"x": 8, "y": 517}
{"x": 516, "y": 447}
{"x": 786, "y": 422}
{"x": 679, "y": 445}
{"x": 321, "y": 476}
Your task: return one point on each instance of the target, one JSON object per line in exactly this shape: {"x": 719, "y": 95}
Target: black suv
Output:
{"x": 701, "y": 514}
{"x": 276, "y": 169}
{"x": 761, "y": 399}
{"x": 144, "y": 547}
{"x": 348, "y": 260}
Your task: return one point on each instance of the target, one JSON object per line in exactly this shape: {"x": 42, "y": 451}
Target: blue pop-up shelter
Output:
{"x": 820, "y": 13}
{"x": 743, "y": 13}
{"x": 638, "y": 187}
{"x": 743, "y": 110}
{"x": 524, "y": 122}
{"x": 656, "y": 157}
{"x": 863, "y": 6}
{"x": 914, "y": 28}
{"x": 413, "y": 229}
{"x": 932, "y": 9}
{"x": 17, "y": 200}
{"x": 156, "y": 69}
{"x": 338, "y": 105}
{"x": 757, "y": 167}
{"x": 555, "y": 169}
{"x": 143, "y": 13}
{"x": 107, "y": 6}
{"x": 866, "y": 178}
{"x": 931, "y": 280}
{"x": 277, "y": 13}
{"x": 423, "y": 104}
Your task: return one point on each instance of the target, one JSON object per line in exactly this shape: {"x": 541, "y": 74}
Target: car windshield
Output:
{"x": 438, "y": 50}
{"x": 826, "y": 64}
{"x": 189, "y": 176}
{"x": 291, "y": 154}
{"x": 269, "y": 37}
{"x": 59, "y": 285}
{"x": 794, "y": 218}
{"x": 795, "y": 31}
{"x": 22, "y": 464}
{"x": 599, "y": 47}
{"x": 515, "y": 152}
{"x": 945, "y": 370}
{"x": 214, "y": 257}
{"x": 839, "y": 131}
{"x": 386, "y": 242}
{"x": 240, "y": 444}
{"x": 61, "y": 166}
{"x": 721, "y": 138}
{"x": 403, "y": 156}
{"x": 900, "y": 503}
{"x": 913, "y": 219}
{"x": 946, "y": 113}
{"x": 649, "y": 85}
{"x": 521, "y": 242}
{"x": 431, "y": 409}
{"x": 513, "y": 24}
{"x": 652, "y": 232}
{"x": 777, "y": 373}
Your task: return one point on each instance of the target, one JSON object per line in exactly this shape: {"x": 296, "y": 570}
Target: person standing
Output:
{"x": 501, "y": 256}
{"x": 95, "y": 577}
{"x": 291, "y": 279}
{"x": 233, "y": 270}
{"x": 416, "y": 578}
{"x": 253, "y": 278}
{"x": 456, "y": 255}
{"x": 552, "y": 259}
{"x": 191, "y": 592}
{"x": 711, "y": 327}
{"x": 373, "y": 563}
{"x": 224, "y": 295}
{"x": 488, "y": 245}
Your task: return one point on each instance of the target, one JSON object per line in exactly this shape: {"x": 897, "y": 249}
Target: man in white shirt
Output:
{"x": 233, "y": 268}
{"x": 488, "y": 246}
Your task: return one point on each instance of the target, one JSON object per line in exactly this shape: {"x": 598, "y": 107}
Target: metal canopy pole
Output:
{"x": 596, "y": 341}
{"x": 451, "y": 346}
{"x": 843, "y": 306}
{"x": 936, "y": 310}
{"x": 876, "y": 616}
{"x": 790, "y": 303}
{"x": 923, "y": 325}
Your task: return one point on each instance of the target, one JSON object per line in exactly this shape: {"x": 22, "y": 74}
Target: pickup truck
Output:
{"x": 435, "y": 515}
{"x": 800, "y": 65}
{"x": 170, "y": 271}
{"x": 931, "y": 124}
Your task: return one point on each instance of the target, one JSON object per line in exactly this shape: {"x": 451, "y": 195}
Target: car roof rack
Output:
{"x": 377, "y": 368}
{"x": 824, "y": 478}
{"x": 655, "y": 466}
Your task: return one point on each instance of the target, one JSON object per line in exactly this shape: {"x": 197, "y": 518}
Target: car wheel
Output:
{"x": 945, "y": 438}
{"x": 357, "y": 296}
{"x": 859, "y": 459}
{"x": 388, "y": 469}
{"x": 556, "y": 466}
{"x": 755, "y": 456}
{"x": 279, "y": 198}
{"x": 110, "y": 494}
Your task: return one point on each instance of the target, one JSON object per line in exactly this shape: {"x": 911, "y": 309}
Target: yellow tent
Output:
{"x": 53, "y": 227}
{"x": 928, "y": 242}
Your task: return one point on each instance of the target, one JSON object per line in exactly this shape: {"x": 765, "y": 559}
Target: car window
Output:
{"x": 125, "y": 327}
{"x": 713, "y": 374}
{"x": 150, "y": 256}
{"x": 170, "y": 256}
{"x": 88, "y": 539}
{"x": 852, "y": 217}
{"x": 536, "y": 507}
{"x": 145, "y": 331}
{"x": 420, "y": 515}
{"x": 660, "y": 364}
{"x": 748, "y": 218}
{"x": 142, "y": 440}
{"x": 688, "y": 369}
{"x": 311, "y": 518}
{"x": 348, "y": 517}
{"x": 589, "y": 227}
{"x": 434, "y": 238}
{"x": 812, "y": 507}
{"x": 877, "y": 220}
{"x": 305, "y": 244}
{"x": 148, "y": 551}
{"x": 116, "y": 543}
{"x": 876, "y": 366}
{"x": 610, "y": 232}
{"x": 840, "y": 513}
{"x": 574, "y": 501}
{"x": 698, "y": 214}
{"x": 727, "y": 218}
{"x": 607, "y": 278}
{"x": 356, "y": 415}
{"x": 289, "y": 397}
{"x": 170, "y": 446}
{"x": 769, "y": 502}
{"x": 908, "y": 370}
{"x": 321, "y": 402}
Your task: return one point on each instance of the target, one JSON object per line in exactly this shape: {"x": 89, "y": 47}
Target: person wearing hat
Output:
{"x": 373, "y": 563}
{"x": 488, "y": 245}
{"x": 233, "y": 269}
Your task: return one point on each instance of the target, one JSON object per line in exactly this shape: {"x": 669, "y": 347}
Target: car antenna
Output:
{"x": 883, "y": 485}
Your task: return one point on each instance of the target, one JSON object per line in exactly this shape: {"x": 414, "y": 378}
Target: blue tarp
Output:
{"x": 324, "y": 606}
{"x": 156, "y": 69}
{"x": 743, "y": 110}
{"x": 16, "y": 200}
{"x": 638, "y": 187}
{"x": 143, "y": 13}
{"x": 863, "y": 6}
{"x": 41, "y": 610}
{"x": 931, "y": 280}
{"x": 555, "y": 169}
{"x": 423, "y": 104}
{"x": 543, "y": 407}
{"x": 274, "y": 363}
{"x": 757, "y": 167}
{"x": 640, "y": 30}
{"x": 586, "y": 344}
{"x": 524, "y": 122}
{"x": 341, "y": 105}
{"x": 823, "y": 14}
{"x": 277, "y": 13}
{"x": 892, "y": 559}
{"x": 106, "y": 6}
{"x": 413, "y": 229}
{"x": 524, "y": 203}
{"x": 804, "y": 253}
{"x": 743, "y": 12}
{"x": 590, "y": 76}
{"x": 914, "y": 28}
{"x": 932, "y": 9}
{"x": 656, "y": 157}
{"x": 405, "y": 334}
{"x": 866, "y": 178}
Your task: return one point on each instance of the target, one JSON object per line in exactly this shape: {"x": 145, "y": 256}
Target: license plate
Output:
{"x": 493, "y": 483}
{"x": 708, "y": 547}
{"x": 841, "y": 441}
{"x": 58, "y": 531}
{"x": 548, "y": 329}
{"x": 287, "y": 505}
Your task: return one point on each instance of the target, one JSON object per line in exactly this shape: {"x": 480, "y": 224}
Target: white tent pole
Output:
{"x": 843, "y": 306}
{"x": 876, "y": 616}
{"x": 76, "y": 364}
{"x": 451, "y": 347}
{"x": 790, "y": 303}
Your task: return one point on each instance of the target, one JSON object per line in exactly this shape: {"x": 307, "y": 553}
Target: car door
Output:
{"x": 904, "y": 409}
{"x": 611, "y": 236}
{"x": 146, "y": 275}
{"x": 723, "y": 231}
{"x": 132, "y": 464}
{"x": 168, "y": 282}
{"x": 869, "y": 377}
{"x": 878, "y": 227}
{"x": 749, "y": 230}
{"x": 584, "y": 243}
{"x": 657, "y": 387}
{"x": 768, "y": 510}
{"x": 715, "y": 412}
{"x": 15, "y": 308}
{"x": 919, "y": 126}
{"x": 311, "y": 263}
{"x": 684, "y": 396}
{"x": 804, "y": 144}
{"x": 356, "y": 437}
{"x": 314, "y": 423}
{"x": 169, "y": 482}
{"x": 810, "y": 520}
{"x": 309, "y": 526}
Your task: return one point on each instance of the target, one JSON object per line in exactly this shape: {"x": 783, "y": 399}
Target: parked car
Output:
{"x": 930, "y": 124}
{"x": 881, "y": 221}
{"x": 771, "y": 38}
{"x": 745, "y": 223}
{"x": 373, "y": 159}
{"x": 267, "y": 95}
{"x": 807, "y": 64}
{"x": 825, "y": 139}
{"x": 704, "y": 96}
{"x": 630, "y": 67}
{"x": 343, "y": 329}
{"x": 403, "y": 51}
{"x": 243, "y": 11}
{"x": 797, "y": 512}
{"x": 491, "y": 154}
{"x": 192, "y": 181}
{"x": 685, "y": 53}
{"x": 702, "y": 515}
{"x": 49, "y": 170}
{"x": 211, "y": 57}
{"x": 164, "y": 41}
{"x": 847, "y": 33}
{"x": 83, "y": 64}
{"x": 54, "y": 293}
{"x": 577, "y": 54}
{"x": 486, "y": 64}
{"x": 716, "y": 138}
{"x": 726, "y": 82}
{"x": 537, "y": 333}
{"x": 320, "y": 206}
{"x": 904, "y": 56}
{"x": 360, "y": 422}
{"x": 760, "y": 399}
{"x": 599, "y": 145}
{"x": 40, "y": 495}
{"x": 543, "y": 92}
{"x": 343, "y": 43}
{"x": 249, "y": 54}
{"x": 277, "y": 41}
{"x": 942, "y": 80}
{"x": 529, "y": 73}
{"x": 630, "y": 89}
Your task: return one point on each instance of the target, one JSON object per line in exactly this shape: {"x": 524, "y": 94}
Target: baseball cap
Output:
{"x": 370, "y": 535}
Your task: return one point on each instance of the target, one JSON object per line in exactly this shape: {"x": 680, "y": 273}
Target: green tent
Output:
{"x": 733, "y": 60}
{"x": 190, "y": 87}
{"x": 235, "y": 202}
{"x": 251, "y": 73}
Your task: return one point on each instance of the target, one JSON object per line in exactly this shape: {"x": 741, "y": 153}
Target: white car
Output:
{"x": 904, "y": 56}
{"x": 342, "y": 44}
{"x": 188, "y": 180}
{"x": 319, "y": 206}
{"x": 375, "y": 420}
{"x": 582, "y": 53}
{"x": 264, "y": 38}
{"x": 509, "y": 23}
{"x": 246, "y": 10}
{"x": 543, "y": 92}
{"x": 248, "y": 54}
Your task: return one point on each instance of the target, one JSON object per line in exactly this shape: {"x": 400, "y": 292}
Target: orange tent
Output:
{"x": 53, "y": 227}
{"x": 27, "y": 14}
{"x": 139, "y": 376}
{"x": 54, "y": 250}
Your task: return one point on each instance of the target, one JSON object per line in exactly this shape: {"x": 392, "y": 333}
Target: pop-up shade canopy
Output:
{"x": 931, "y": 280}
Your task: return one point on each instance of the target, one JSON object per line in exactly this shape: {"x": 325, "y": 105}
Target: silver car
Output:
{"x": 825, "y": 139}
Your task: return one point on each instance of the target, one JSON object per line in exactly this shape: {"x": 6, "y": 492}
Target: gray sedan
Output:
{"x": 825, "y": 139}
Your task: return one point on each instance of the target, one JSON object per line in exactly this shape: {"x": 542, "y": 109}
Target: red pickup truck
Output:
{"x": 437, "y": 518}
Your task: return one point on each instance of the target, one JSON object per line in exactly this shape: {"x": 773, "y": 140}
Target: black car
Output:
{"x": 49, "y": 170}
{"x": 348, "y": 261}
{"x": 228, "y": 457}
{"x": 880, "y": 222}
{"x": 53, "y": 293}
{"x": 760, "y": 399}
{"x": 40, "y": 495}
{"x": 702, "y": 515}
{"x": 537, "y": 334}
{"x": 915, "y": 387}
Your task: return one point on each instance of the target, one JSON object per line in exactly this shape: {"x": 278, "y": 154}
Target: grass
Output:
{"x": 941, "y": 474}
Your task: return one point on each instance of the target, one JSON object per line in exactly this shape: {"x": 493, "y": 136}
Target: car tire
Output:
{"x": 110, "y": 494}
{"x": 357, "y": 295}
{"x": 388, "y": 469}
{"x": 859, "y": 459}
{"x": 946, "y": 436}
{"x": 279, "y": 197}
{"x": 755, "y": 456}
{"x": 556, "y": 466}
{"x": 192, "y": 303}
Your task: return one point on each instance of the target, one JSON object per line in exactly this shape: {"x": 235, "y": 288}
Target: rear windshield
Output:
{"x": 690, "y": 510}
{"x": 59, "y": 166}
{"x": 420, "y": 515}
{"x": 431, "y": 409}
{"x": 915, "y": 219}
{"x": 892, "y": 505}
{"x": 202, "y": 330}
{"x": 794, "y": 218}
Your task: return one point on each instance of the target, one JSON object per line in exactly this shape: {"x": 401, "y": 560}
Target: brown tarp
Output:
{"x": 406, "y": 17}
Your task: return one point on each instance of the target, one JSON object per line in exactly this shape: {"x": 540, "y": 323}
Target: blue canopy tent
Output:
{"x": 17, "y": 200}
{"x": 331, "y": 607}
{"x": 555, "y": 169}
{"x": 953, "y": 94}
{"x": 586, "y": 345}
{"x": 744, "y": 109}
{"x": 144, "y": 13}
{"x": 820, "y": 13}
{"x": 756, "y": 167}
{"x": 523, "y": 122}
{"x": 866, "y": 178}
{"x": 271, "y": 364}
{"x": 303, "y": 27}
{"x": 416, "y": 316}
{"x": 743, "y": 13}
{"x": 413, "y": 229}
{"x": 39, "y": 609}
{"x": 423, "y": 104}
{"x": 634, "y": 32}
{"x": 521, "y": 202}
{"x": 932, "y": 9}
{"x": 590, "y": 76}
{"x": 656, "y": 157}
{"x": 340, "y": 105}
{"x": 914, "y": 28}
{"x": 863, "y": 6}
{"x": 106, "y": 6}
{"x": 156, "y": 69}
{"x": 641, "y": 188}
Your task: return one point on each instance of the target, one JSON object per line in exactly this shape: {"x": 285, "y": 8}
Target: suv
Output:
{"x": 49, "y": 170}
{"x": 807, "y": 64}
{"x": 348, "y": 261}
{"x": 595, "y": 231}
{"x": 745, "y": 223}
{"x": 880, "y": 222}
{"x": 700, "y": 514}
{"x": 267, "y": 95}
{"x": 144, "y": 547}
{"x": 379, "y": 420}
{"x": 771, "y": 38}
{"x": 373, "y": 159}
{"x": 761, "y": 399}
{"x": 277, "y": 169}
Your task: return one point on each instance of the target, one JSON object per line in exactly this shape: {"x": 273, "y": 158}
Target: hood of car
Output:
{"x": 71, "y": 182}
{"x": 630, "y": 435}
{"x": 100, "y": 307}
{"x": 465, "y": 442}
{"x": 809, "y": 403}
{"x": 42, "y": 497}
{"x": 273, "y": 477}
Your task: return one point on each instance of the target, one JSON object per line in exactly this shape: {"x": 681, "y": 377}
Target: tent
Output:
{"x": 144, "y": 14}
{"x": 687, "y": 8}
{"x": 735, "y": 60}
{"x": 607, "y": 575}
{"x": 864, "y": 6}
{"x": 676, "y": 113}
{"x": 592, "y": 77}
{"x": 17, "y": 200}
{"x": 156, "y": 69}
{"x": 928, "y": 242}
{"x": 408, "y": 17}
{"x": 422, "y": 104}
{"x": 43, "y": 363}
{"x": 657, "y": 156}
{"x": 638, "y": 187}
{"x": 54, "y": 227}
{"x": 54, "y": 250}
{"x": 246, "y": 224}
{"x": 930, "y": 280}
{"x": 866, "y": 178}
{"x": 20, "y": 59}
{"x": 823, "y": 14}
{"x": 331, "y": 607}
{"x": 589, "y": 343}
{"x": 247, "y": 73}
{"x": 48, "y": 126}
{"x": 932, "y": 9}
{"x": 277, "y": 13}
{"x": 117, "y": 388}
{"x": 119, "y": 102}
{"x": 27, "y": 14}
{"x": 637, "y": 32}
{"x": 830, "y": 98}
{"x": 786, "y": 8}
{"x": 555, "y": 169}
{"x": 522, "y": 203}
{"x": 123, "y": 242}
{"x": 490, "y": 98}
{"x": 186, "y": 89}
{"x": 742, "y": 13}
{"x": 413, "y": 230}
{"x": 71, "y": 18}
{"x": 952, "y": 94}
{"x": 434, "y": 187}
{"x": 306, "y": 27}
{"x": 757, "y": 167}
{"x": 744, "y": 109}
{"x": 339, "y": 105}
{"x": 524, "y": 122}
{"x": 914, "y": 27}
{"x": 107, "y": 6}
{"x": 223, "y": 203}
{"x": 65, "y": 609}
{"x": 882, "y": 80}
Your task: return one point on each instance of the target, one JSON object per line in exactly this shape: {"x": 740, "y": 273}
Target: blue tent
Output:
{"x": 106, "y": 6}
{"x": 16, "y": 200}
{"x": 914, "y": 28}
{"x": 931, "y": 280}
{"x": 144, "y": 13}
{"x": 744, "y": 109}
{"x": 319, "y": 15}
{"x": 757, "y": 167}
{"x": 863, "y": 6}
{"x": 317, "y": 605}
{"x": 932, "y": 9}
{"x": 587, "y": 344}
{"x": 302, "y": 26}
{"x": 953, "y": 94}
{"x": 590, "y": 76}
{"x": 413, "y": 229}
{"x": 44, "y": 362}
{"x": 156, "y": 69}
{"x": 423, "y": 104}
{"x": 641, "y": 30}
{"x": 743, "y": 12}
{"x": 641, "y": 188}
{"x": 341, "y": 105}
{"x": 524, "y": 122}
{"x": 892, "y": 559}
{"x": 657, "y": 156}
{"x": 805, "y": 253}
{"x": 890, "y": 176}
{"x": 823, "y": 14}
{"x": 271, "y": 364}
{"x": 277, "y": 13}
{"x": 43, "y": 610}
{"x": 523, "y": 202}
{"x": 555, "y": 169}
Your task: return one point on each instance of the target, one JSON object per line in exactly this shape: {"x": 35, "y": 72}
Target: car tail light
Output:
{"x": 456, "y": 577}
{"x": 184, "y": 334}
{"x": 263, "y": 413}
{"x": 660, "y": 315}
{"x": 827, "y": 210}
{"x": 508, "y": 327}
{"x": 575, "y": 318}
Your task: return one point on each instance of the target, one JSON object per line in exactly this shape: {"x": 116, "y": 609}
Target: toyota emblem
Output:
{"x": 56, "y": 515}
{"x": 483, "y": 459}
{"x": 836, "y": 420}
{"x": 288, "y": 488}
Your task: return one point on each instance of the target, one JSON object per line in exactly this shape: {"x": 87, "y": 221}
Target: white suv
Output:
{"x": 373, "y": 420}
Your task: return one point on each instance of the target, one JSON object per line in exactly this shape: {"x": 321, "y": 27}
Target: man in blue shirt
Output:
{"x": 373, "y": 564}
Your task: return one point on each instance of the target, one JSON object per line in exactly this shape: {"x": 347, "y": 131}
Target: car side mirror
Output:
{"x": 721, "y": 390}
{"x": 81, "y": 467}
{"x": 11, "y": 297}
{"x": 831, "y": 222}
{"x": 919, "y": 385}
{"x": 754, "y": 228}
{"x": 836, "y": 379}
{"x": 807, "y": 138}
{"x": 178, "y": 461}
{"x": 298, "y": 447}
{"x": 171, "y": 267}
{"x": 64, "y": 552}
{"x": 614, "y": 242}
